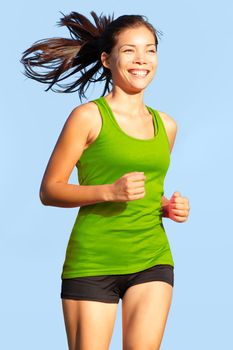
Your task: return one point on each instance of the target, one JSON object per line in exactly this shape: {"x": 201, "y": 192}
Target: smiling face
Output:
{"x": 133, "y": 60}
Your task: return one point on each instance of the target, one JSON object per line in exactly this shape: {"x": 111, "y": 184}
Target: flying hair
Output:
{"x": 64, "y": 57}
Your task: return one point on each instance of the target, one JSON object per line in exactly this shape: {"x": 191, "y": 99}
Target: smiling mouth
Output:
{"x": 139, "y": 73}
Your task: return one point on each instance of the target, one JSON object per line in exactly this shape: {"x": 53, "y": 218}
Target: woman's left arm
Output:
{"x": 177, "y": 207}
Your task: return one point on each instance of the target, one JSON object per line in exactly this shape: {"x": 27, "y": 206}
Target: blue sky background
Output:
{"x": 193, "y": 84}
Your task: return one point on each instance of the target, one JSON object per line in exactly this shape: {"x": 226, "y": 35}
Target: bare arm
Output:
{"x": 70, "y": 196}
{"x": 54, "y": 189}
{"x": 171, "y": 129}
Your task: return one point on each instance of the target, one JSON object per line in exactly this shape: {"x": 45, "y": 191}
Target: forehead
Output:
{"x": 137, "y": 36}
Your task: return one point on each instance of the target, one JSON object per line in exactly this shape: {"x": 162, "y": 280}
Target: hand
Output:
{"x": 129, "y": 187}
{"x": 178, "y": 207}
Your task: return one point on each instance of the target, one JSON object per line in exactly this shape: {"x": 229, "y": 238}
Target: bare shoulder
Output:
{"x": 87, "y": 117}
{"x": 168, "y": 120}
{"x": 70, "y": 145}
{"x": 170, "y": 126}
{"x": 83, "y": 112}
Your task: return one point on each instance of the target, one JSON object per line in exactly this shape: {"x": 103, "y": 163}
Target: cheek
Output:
{"x": 155, "y": 62}
{"x": 119, "y": 65}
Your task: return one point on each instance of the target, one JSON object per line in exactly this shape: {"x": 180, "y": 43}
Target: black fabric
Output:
{"x": 110, "y": 288}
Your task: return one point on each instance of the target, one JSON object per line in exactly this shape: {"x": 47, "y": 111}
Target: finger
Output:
{"x": 133, "y": 173}
{"x": 176, "y": 200}
{"x": 137, "y": 184}
{"x": 177, "y": 205}
{"x": 176, "y": 194}
{"x": 180, "y": 218}
{"x": 180, "y": 213}
{"x": 183, "y": 206}
{"x": 136, "y": 177}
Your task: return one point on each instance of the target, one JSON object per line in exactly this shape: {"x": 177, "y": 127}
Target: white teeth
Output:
{"x": 141, "y": 73}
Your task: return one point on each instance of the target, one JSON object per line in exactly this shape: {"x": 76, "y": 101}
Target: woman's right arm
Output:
{"x": 54, "y": 189}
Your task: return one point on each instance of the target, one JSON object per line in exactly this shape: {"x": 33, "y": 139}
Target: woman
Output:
{"x": 118, "y": 247}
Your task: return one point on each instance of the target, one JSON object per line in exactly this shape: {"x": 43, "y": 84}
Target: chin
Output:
{"x": 138, "y": 87}
{"x": 134, "y": 90}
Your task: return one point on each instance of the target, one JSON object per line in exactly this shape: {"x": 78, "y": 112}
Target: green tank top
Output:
{"x": 110, "y": 238}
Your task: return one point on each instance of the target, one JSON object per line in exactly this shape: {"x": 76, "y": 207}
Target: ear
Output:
{"x": 105, "y": 59}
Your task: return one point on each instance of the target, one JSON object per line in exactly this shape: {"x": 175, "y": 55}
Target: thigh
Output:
{"x": 145, "y": 307}
{"x": 89, "y": 324}
{"x": 89, "y": 308}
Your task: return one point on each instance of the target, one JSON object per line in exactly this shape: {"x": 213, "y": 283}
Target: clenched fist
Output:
{"x": 177, "y": 208}
{"x": 129, "y": 187}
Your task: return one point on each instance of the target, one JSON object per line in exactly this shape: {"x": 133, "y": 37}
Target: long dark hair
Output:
{"x": 64, "y": 57}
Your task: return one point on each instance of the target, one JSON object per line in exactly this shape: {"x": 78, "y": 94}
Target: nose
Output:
{"x": 140, "y": 58}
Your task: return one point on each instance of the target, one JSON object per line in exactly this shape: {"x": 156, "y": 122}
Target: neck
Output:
{"x": 131, "y": 103}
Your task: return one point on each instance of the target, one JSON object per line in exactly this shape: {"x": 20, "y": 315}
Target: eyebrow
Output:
{"x": 135, "y": 45}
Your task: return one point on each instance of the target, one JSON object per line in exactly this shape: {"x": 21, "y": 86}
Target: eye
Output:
{"x": 152, "y": 51}
{"x": 128, "y": 50}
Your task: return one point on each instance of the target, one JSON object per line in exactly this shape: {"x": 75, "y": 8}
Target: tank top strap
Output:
{"x": 106, "y": 128}
{"x": 161, "y": 130}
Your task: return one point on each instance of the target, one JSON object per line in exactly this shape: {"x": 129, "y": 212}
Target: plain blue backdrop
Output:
{"x": 193, "y": 84}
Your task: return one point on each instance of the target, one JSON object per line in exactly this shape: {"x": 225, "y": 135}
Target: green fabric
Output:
{"x": 120, "y": 237}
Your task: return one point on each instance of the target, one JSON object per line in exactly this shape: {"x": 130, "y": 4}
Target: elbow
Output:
{"x": 43, "y": 197}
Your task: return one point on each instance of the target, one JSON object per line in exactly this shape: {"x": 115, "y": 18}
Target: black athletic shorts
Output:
{"x": 110, "y": 288}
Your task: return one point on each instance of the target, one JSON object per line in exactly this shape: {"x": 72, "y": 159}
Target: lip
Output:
{"x": 139, "y": 76}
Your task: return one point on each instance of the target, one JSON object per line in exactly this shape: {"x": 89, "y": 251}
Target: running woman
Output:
{"x": 118, "y": 247}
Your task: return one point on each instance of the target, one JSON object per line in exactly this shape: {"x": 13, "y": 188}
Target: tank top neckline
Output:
{"x": 150, "y": 110}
